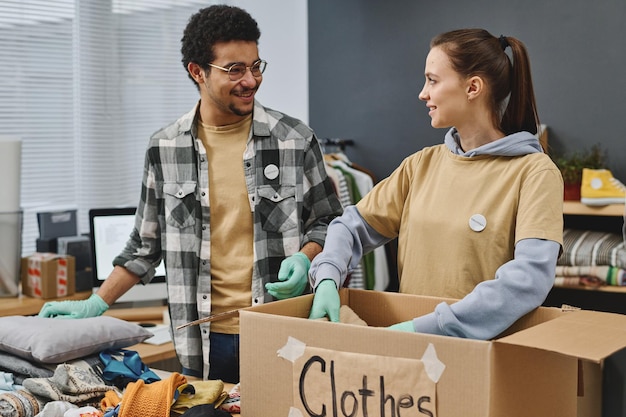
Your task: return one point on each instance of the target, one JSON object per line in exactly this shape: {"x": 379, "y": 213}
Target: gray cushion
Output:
{"x": 53, "y": 340}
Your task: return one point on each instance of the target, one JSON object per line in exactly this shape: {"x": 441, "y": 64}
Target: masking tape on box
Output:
{"x": 434, "y": 368}
{"x": 34, "y": 273}
{"x": 61, "y": 277}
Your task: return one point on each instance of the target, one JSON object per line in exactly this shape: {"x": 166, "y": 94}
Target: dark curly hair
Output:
{"x": 218, "y": 23}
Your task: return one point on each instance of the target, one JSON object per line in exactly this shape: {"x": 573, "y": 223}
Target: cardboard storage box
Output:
{"x": 549, "y": 363}
{"x": 48, "y": 275}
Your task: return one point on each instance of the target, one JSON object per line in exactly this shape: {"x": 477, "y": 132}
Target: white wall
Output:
{"x": 284, "y": 45}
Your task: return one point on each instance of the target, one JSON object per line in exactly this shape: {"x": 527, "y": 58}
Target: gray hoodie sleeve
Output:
{"x": 520, "y": 285}
{"x": 348, "y": 238}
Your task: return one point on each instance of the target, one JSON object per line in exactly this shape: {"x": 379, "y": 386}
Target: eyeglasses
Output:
{"x": 238, "y": 70}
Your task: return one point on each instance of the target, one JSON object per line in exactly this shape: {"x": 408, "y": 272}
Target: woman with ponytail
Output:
{"x": 478, "y": 218}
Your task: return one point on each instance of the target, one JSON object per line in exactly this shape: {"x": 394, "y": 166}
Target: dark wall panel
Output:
{"x": 366, "y": 64}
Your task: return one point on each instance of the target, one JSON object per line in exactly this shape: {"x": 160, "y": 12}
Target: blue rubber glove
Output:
{"x": 326, "y": 301}
{"x": 75, "y": 309}
{"x": 293, "y": 276}
{"x": 405, "y": 326}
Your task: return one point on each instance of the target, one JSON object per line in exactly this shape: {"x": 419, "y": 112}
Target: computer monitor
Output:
{"x": 109, "y": 230}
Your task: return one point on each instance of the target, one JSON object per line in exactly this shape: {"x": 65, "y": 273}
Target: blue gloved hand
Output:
{"x": 293, "y": 275}
{"x": 326, "y": 301}
{"x": 405, "y": 326}
{"x": 75, "y": 309}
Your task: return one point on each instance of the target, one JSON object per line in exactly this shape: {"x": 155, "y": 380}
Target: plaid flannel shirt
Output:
{"x": 292, "y": 203}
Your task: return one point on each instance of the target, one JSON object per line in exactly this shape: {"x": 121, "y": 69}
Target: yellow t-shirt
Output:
{"x": 231, "y": 221}
{"x": 456, "y": 227}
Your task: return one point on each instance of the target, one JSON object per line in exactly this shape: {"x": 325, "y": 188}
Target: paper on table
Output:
{"x": 161, "y": 334}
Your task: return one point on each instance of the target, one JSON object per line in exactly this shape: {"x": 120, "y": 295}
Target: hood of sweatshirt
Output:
{"x": 517, "y": 144}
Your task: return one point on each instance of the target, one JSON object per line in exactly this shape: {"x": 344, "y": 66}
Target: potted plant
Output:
{"x": 571, "y": 166}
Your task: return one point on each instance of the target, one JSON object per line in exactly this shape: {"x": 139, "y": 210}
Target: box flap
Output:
{"x": 589, "y": 335}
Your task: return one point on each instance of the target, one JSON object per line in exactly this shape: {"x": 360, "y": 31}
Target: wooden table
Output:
{"x": 28, "y": 306}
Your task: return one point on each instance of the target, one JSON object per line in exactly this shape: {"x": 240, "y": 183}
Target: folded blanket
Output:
{"x": 586, "y": 247}
{"x": 72, "y": 383}
{"x": 588, "y": 282}
{"x": 590, "y": 275}
{"x": 22, "y": 369}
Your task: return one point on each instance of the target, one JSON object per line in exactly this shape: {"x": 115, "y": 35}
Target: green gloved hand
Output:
{"x": 75, "y": 309}
{"x": 326, "y": 301}
{"x": 293, "y": 276}
{"x": 405, "y": 326}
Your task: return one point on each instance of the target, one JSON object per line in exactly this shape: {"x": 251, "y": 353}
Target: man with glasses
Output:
{"x": 235, "y": 199}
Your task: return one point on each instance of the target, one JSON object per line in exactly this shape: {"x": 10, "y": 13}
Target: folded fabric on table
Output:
{"x": 232, "y": 404}
{"x": 586, "y": 247}
{"x": 155, "y": 399}
{"x": 20, "y": 403}
{"x": 122, "y": 366}
{"x": 78, "y": 385}
{"x": 198, "y": 393}
{"x": 591, "y": 275}
{"x": 587, "y": 282}
{"x": 22, "y": 368}
{"x": 7, "y": 383}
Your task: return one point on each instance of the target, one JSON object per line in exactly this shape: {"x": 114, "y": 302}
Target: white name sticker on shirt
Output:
{"x": 271, "y": 171}
{"x": 477, "y": 222}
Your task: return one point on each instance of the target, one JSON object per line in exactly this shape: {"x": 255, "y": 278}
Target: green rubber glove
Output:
{"x": 75, "y": 309}
{"x": 293, "y": 276}
{"x": 405, "y": 326}
{"x": 326, "y": 301}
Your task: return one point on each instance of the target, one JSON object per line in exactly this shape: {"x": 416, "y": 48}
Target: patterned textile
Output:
{"x": 75, "y": 384}
{"x": 19, "y": 403}
{"x": 585, "y": 247}
{"x": 590, "y": 275}
{"x": 232, "y": 404}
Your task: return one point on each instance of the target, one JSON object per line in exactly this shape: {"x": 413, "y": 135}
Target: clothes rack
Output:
{"x": 336, "y": 142}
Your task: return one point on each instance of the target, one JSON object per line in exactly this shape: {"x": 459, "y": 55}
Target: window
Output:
{"x": 84, "y": 84}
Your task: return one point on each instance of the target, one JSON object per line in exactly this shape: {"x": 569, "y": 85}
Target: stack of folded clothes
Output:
{"x": 591, "y": 259}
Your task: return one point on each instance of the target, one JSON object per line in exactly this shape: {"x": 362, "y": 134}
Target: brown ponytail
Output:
{"x": 477, "y": 52}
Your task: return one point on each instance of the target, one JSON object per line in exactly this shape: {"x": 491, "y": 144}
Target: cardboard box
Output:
{"x": 549, "y": 363}
{"x": 48, "y": 275}
{"x": 80, "y": 248}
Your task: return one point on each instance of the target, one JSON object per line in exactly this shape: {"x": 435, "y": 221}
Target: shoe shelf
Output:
{"x": 578, "y": 208}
